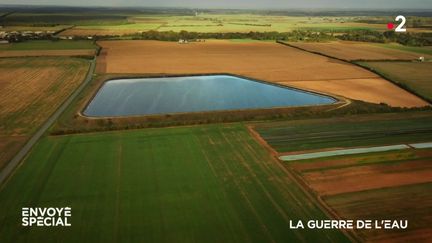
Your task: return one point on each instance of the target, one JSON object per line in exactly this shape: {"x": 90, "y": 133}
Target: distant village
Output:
{"x": 18, "y": 36}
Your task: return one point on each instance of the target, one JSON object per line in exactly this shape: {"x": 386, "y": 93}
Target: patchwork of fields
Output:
{"x": 221, "y": 23}
{"x": 414, "y": 75}
{"x": 260, "y": 60}
{"x": 48, "y": 48}
{"x": 391, "y": 185}
{"x": 219, "y": 182}
{"x": 384, "y": 185}
{"x": 293, "y": 137}
{"x": 31, "y": 89}
{"x": 24, "y": 27}
{"x": 197, "y": 184}
{"x": 350, "y": 51}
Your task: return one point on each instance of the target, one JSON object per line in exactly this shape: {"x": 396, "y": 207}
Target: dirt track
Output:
{"x": 266, "y": 61}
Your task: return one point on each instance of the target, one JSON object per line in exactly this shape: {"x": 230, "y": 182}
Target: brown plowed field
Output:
{"x": 31, "y": 89}
{"x": 266, "y": 61}
{"x": 358, "y": 51}
{"x": 412, "y": 203}
{"x": 37, "y": 53}
{"x": 393, "y": 185}
{"x": 360, "y": 178}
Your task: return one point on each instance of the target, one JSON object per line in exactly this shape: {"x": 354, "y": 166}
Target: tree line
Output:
{"x": 409, "y": 39}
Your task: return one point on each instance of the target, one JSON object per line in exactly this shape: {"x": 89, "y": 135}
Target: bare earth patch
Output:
{"x": 360, "y": 178}
{"x": 265, "y": 61}
{"x": 412, "y": 203}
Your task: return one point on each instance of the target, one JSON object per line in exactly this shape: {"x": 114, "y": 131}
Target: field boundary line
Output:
{"x": 314, "y": 199}
{"x": 9, "y": 169}
{"x": 400, "y": 85}
{"x": 352, "y": 151}
{"x": 409, "y": 90}
{"x": 260, "y": 140}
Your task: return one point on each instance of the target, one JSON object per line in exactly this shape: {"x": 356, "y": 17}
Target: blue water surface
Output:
{"x": 148, "y": 96}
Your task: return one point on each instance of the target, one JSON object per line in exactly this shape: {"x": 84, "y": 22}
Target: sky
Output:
{"x": 246, "y": 4}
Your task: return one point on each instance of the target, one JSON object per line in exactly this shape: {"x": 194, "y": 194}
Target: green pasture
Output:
{"x": 192, "y": 184}
{"x": 49, "y": 45}
{"x": 426, "y": 50}
{"x": 203, "y": 22}
{"x": 414, "y": 75}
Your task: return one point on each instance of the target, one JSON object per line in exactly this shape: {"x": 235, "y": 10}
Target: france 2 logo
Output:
{"x": 401, "y": 26}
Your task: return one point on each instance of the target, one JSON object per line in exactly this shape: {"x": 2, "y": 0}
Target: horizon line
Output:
{"x": 216, "y": 8}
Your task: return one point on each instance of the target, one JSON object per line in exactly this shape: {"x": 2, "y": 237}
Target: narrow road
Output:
{"x": 9, "y": 168}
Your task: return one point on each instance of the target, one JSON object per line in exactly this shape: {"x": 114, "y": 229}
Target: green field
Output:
{"x": 64, "y": 18}
{"x": 53, "y": 28}
{"x": 193, "y": 184}
{"x": 362, "y": 130}
{"x": 209, "y": 23}
{"x": 414, "y": 75}
{"x": 426, "y": 50}
{"x": 129, "y": 26}
{"x": 387, "y": 157}
{"x": 203, "y": 22}
{"x": 49, "y": 45}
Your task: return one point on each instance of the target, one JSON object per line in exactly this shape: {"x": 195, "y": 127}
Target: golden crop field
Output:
{"x": 414, "y": 75}
{"x": 31, "y": 90}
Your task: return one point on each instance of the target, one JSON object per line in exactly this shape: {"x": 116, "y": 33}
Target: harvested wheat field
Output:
{"x": 31, "y": 89}
{"x": 361, "y": 89}
{"x": 260, "y": 60}
{"x": 37, "y": 53}
{"x": 348, "y": 50}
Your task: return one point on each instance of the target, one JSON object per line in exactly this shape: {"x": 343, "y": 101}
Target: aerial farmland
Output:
{"x": 259, "y": 60}
{"x": 213, "y": 125}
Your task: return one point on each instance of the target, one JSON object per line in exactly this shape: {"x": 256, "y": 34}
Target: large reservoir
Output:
{"x": 150, "y": 96}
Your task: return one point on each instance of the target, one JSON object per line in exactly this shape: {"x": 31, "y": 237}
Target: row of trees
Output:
{"x": 410, "y": 39}
{"x": 287, "y": 36}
